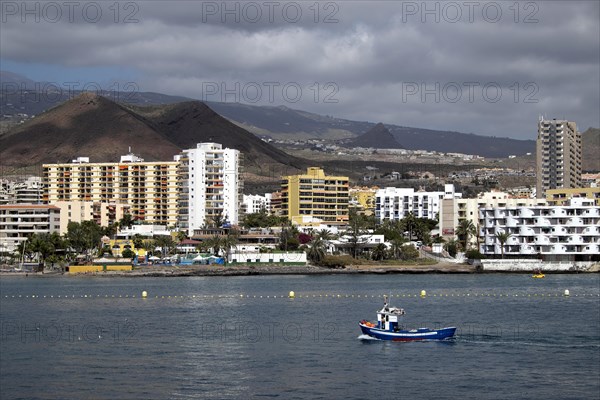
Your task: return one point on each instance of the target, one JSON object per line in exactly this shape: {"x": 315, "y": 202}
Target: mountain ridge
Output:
{"x": 377, "y": 137}
{"x": 94, "y": 126}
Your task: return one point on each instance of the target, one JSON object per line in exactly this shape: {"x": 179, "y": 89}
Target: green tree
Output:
{"x": 451, "y": 247}
{"x": 325, "y": 235}
{"x": 166, "y": 244}
{"x": 44, "y": 244}
{"x": 502, "y": 238}
{"x": 110, "y": 230}
{"x": 379, "y": 252}
{"x": 181, "y": 236}
{"x": 464, "y": 230}
{"x": 126, "y": 221}
{"x": 357, "y": 229}
{"x": 84, "y": 237}
{"x": 127, "y": 253}
{"x": 262, "y": 219}
{"x": 409, "y": 252}
{"x": 149, "y": 246}
{"x": 396, "y": 247}
{"x": 216, "y": 221}
{"x": 390, "y": 229}
{"x": 203, "y": 247}
{"x": 288, "y": 238}
{"x": 316, "y": 250}
{"x": 138, "y": 241}
{"x": 409, "y": 223}
{"x": 215, "y": 243}
{"x": 105, "y": 251}
{"x": 229, "y": 241}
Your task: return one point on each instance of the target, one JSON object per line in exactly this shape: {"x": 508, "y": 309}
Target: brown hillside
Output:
{"x": 188, "y": 123}
{"x": 87, "y": 125}
{"x": 591, "y": 149}
{"x": 101, "y": 129}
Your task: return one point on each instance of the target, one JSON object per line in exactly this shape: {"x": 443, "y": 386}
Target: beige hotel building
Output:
{"x": 149, "y": 188}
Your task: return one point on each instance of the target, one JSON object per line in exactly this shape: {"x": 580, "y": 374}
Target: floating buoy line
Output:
{"x": 311, "y": 295}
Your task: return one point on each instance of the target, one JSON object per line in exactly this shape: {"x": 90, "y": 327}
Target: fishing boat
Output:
{"x": 388, "y": 327}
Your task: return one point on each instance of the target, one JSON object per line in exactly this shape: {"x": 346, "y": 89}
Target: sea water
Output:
{"x": 243, "y": 337}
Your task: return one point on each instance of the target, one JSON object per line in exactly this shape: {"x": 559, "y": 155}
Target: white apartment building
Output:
{"x": 17, "y": 221}
{"x": 570, "y": 232}
{"x": 210, "y": 186}
{"x": 28, "y": 191}
{"x": 253, "y": 203}
{"x": 395, "y": 203}
{"x": 454, "y": 211}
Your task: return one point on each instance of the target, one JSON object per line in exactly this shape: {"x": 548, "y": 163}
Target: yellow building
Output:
{"x": 362, "y": 198}
{"x": 315, "y": 194}
{"x": 149, "y": 188}
{"x": 104, "y": 214}
{"x": 560, "y": 197}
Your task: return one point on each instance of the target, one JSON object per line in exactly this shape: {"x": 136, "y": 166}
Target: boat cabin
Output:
{"x": 388, "y": 318}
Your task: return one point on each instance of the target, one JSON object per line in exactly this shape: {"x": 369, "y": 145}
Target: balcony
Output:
{"x": 512, "y": 222}
{"x": 542, "y": 222}
{"x": 575, "y": 221}
{"x": 526, "y": 231}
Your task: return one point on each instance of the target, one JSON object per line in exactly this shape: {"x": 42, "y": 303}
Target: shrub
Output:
{"x": 127, "y": 253}
{"x": 336, "y": 261}
{"x": 451, "y": 248}
{"x": 409, "y": 252}
{"x": 474, "y": 254}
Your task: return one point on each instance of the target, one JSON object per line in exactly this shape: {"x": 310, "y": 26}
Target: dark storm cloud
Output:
{"x": 397, "y": 62}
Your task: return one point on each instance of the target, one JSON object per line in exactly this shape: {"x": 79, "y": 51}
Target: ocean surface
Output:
{"x": 243, "y": 338}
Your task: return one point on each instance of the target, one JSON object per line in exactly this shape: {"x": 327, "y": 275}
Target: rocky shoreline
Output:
{"x": 247, "y": 270}
{"x": 244, "y": 270}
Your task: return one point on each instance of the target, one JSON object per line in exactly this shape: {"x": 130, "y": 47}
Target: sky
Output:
{"x": 485, "y": 67}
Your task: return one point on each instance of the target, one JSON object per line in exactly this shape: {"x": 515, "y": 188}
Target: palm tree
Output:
{"x": 166, "y": 244}
{"x": 396, "y": 248}
{"x": 215, "y": 243}
{"x": 138, "y": 241}
{"x": 503, "y": 238}
{"x": 466, "y": 229}
{"x": 325, "y": 235}
{"x": 316, "y": 250}
{"x": 149, "y": 246}
{"x": 378, "y": 252}
{"x": 357, "y": 228}
{"x": 181, "y": 236}
{"x": 228, "y": 241}
{"x": 409, "y": 223}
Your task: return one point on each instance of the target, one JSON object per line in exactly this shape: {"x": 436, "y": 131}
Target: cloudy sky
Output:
{"x": 484, "y": 67}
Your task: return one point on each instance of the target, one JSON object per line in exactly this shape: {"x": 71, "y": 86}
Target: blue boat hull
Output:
{"x": 408, "y": 335}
